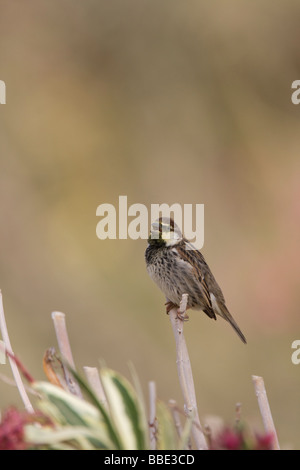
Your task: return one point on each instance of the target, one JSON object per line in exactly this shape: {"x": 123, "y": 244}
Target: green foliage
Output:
{"x": 75, "y": 423}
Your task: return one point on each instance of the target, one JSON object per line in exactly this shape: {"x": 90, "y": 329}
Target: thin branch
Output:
{"x": 59, "y": 321}
{"x": 176, "y": 417}
{"x": 152, "y": 415}
{"x": 13, "y": 365}
{"x": 208, "y": 434}
{"x": 2, "y": 353}
{"x": 94, "y": 381}
{"x": 265, "y": 410}
{"x": 185, "y": 372}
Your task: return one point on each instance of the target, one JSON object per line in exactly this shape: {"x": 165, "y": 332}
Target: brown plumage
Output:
{"x": 177, "y": 267}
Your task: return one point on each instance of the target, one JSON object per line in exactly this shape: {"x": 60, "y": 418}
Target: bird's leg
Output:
{"x": 181, "y": 312}
{"x": 182, "y": 316}
{"x": 169, "y": 305}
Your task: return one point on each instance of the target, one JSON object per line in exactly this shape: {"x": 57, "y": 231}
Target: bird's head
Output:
{"x": 164, "y": 232}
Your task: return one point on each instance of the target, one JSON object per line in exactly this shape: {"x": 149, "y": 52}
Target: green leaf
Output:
{"x": 186, "y": 433}
{"x": 75, "y": 411}
{"x": 83, "y": 438}
{"x": 138, "y": 389}
{"x": 125, "y": 409}
{"x": 68, "y": 409}
{"x": 106, "y": 418}
{"x": 166, "y": 436}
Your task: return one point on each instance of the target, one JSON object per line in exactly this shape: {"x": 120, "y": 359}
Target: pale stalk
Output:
{"x": 152, "y": 415}
{"x": 59, "y": 321}
{"x": 176, "y": 417}
{"x": 265, "y": 409}
{"x": 94, "y": 381}
{"x": 13, "y": 365}
{"x": 185, "y": 373}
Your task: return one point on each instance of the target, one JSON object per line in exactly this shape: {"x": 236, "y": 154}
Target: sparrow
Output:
{"x": 177, "y": 267}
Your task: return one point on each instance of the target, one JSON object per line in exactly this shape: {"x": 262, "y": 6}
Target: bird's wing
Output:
{"x": 199, "y": 266}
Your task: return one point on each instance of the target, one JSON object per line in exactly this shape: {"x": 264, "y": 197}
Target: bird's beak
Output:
{"x": 155, "y": 231}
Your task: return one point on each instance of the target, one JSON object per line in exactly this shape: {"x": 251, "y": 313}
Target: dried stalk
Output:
{"x": 176, "y": 417}
{"x": 2, "y": 353}
{"x": 265, "y": 410}
{"x": 185, "y": 373}
{"x": 13, "y": 365}
{"x": 152, "y": 415}
{"x": 65, "y": 350}
{"x": 94, "y": 381}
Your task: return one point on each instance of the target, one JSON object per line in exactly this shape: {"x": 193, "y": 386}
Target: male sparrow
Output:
{"x": 178, "y": 270}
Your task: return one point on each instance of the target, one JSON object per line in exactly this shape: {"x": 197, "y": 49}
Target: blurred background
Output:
{"x": 163, "y": 102}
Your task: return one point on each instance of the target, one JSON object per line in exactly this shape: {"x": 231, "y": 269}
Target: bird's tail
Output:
{"x": 224, "y": 313}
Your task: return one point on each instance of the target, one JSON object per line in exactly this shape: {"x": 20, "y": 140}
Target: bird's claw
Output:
{"x": 182, "y": 316}
{"x": 169, "y": 305}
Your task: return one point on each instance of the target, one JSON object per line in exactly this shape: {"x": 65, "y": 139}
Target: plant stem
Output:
{"x": 185, "y": 373}
{"x": 59, "y": 321}
{"x": 265, "y": 410}
{"x": 176, "y": 417}
{"x": 152, "y": 415}
{"x": 13, "y": 365}
{"x": 93, "y": 379}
